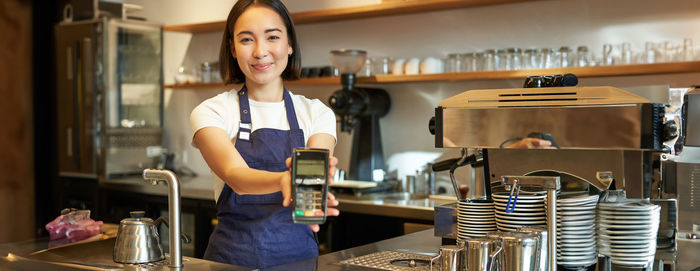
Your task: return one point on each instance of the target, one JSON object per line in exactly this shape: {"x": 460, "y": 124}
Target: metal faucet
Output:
{"x": 551, "y": 184}
{"x": 155, "y": 175}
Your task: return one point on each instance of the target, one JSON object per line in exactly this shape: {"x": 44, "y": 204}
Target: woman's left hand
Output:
{"x": 331, "y": 202}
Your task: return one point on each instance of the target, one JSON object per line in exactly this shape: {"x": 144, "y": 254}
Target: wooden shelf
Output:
{"x": 581, "y": 72}
{"x": 320, "y": 81}
{"x": 359, "y": 12}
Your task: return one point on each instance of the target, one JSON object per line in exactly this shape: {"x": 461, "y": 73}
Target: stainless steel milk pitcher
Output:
{"x": 520, "y": 251}
{"x": 481, "y": 253}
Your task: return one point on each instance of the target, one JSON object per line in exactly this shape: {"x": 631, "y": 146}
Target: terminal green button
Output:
{"x": 299, "y": 213}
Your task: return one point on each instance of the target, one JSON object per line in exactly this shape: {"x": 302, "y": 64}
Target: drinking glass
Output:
{"x": 651, "y": 55}
{"x": 382, "y": 65}
{"x": 626, "y": 53}
{"x": 500, "y": 59}
{"x": 513, "y": 59}
{"x": 547, "y": 58}
{"x": 469, "y": 62}
{"x": 366, "y": 70}
{"x": 481, "y": 59}
{"x": 454, "y": 63}
{"x": 688, "y": 50}
{"x": 530, "y": 59}
{"x": 667, "y": 51}
{"x": 608, "y": 54}
{"x": 489, "y": 60}
{"x": 582, "y": 57}
{"x": 564, "y": 57}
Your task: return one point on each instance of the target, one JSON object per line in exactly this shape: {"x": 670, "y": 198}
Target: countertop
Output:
{"x": 419, "y": 245}
{"x": 393, "y": 204}
{"x": 98, "y": 255}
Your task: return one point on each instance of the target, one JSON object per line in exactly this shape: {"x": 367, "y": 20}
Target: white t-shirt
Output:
{"x": 222, "y": 111}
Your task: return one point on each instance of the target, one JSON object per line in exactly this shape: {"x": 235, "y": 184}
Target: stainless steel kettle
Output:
{"x": 138, "y": 240}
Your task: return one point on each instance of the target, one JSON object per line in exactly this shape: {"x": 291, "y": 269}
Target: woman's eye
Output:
{"x": 273, "y": 37}
{"x": 243, "y": 40}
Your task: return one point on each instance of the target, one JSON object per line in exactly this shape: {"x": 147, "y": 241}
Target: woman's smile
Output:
{"x": 262, "y": 67}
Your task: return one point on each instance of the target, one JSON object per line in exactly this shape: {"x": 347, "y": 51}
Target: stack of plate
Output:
{"x": 475, "y": 218}
{"x": 627, "y": 232}
{"x": 576, "y": 245}
{"x": 529, "y": 210}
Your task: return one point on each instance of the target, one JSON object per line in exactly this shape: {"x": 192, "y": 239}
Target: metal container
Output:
{"x": 137, "y": 240}
{"x": 519, "y": 252}
{"x": 543, "y": 251}
{"x": 451, "y": 258}
{"x": 481, "y": 253}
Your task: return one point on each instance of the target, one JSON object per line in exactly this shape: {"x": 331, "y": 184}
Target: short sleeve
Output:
{"x": 323, "y": 120}
{"x": 210, "y": 113}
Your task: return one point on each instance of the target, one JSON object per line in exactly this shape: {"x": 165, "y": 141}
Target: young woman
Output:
{"x": 246, "y": 137}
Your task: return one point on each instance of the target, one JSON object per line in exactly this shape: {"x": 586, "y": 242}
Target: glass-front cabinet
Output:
{"x": 110, "y": 97}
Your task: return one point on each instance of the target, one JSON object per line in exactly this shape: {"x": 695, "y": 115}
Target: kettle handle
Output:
{"x": 185, "y": 238}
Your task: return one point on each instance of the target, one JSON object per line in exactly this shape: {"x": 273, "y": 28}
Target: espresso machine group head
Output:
{"x": 359, "y": 110}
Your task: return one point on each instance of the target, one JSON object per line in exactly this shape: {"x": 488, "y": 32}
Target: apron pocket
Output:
{"x": 272, "y": 198}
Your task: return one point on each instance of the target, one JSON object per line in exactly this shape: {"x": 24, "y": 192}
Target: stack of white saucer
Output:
{"x": 529, "y": 210}
{"x": 627, "y": 232}
{"x": 475, "y": 218}
{"x": 576, "y": 242}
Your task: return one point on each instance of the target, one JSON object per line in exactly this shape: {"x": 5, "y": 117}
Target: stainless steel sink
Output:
{"x": 98, "y": 256}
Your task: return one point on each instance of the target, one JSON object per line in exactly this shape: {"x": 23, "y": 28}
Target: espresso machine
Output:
{"x": 606, "y": 142}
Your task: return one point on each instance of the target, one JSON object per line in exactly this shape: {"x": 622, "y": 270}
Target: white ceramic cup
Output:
{"x": 412, "y": 66}
{"x": 431, "y": 65}
{"x": 397, "y": 66}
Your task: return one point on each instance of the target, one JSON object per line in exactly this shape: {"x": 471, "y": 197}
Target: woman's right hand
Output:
{"x": 286, "y": 179}
{"x": 286, "y": 188}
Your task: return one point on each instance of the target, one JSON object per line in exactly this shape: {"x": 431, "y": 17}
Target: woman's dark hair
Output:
{"x": 230, "y": 72}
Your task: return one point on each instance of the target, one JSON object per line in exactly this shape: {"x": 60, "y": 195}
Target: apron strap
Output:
{"x": 245, "y": 126}
{"x": 291, "y": 113}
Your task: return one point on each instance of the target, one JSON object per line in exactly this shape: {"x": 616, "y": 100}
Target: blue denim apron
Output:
{"x": 255, "y": 231}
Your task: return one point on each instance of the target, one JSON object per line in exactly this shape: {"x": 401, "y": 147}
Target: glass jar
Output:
{"x": 564, "y": 57}
{"x": 582, "y": 58}
{"x": 366, "y": 70}
{"x": 513, "y": 59}
{"x": 546, "y": 58}
{"x": 500, "y": 59}
{"x": 454, "y": 63}
{"x": 469, "y": 62}
{"x": 381, "y": 65}
{"x": 530, "y": 59}
{"x": 488, "y": 60}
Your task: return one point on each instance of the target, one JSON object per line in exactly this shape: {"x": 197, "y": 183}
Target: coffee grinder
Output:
{"x": 359, "y": 110}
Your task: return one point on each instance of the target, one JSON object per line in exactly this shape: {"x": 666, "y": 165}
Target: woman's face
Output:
{"x": 260, "y": 45}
